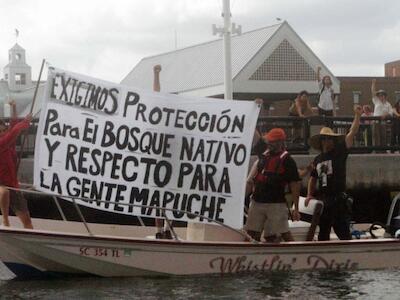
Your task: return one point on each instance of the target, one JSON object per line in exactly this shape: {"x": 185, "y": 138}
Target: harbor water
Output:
{"x": 379, "y": 284}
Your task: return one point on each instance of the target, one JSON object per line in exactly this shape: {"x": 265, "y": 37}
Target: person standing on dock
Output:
{"x": 300, "y": 108}
{"x": 382, "y": 109}
{"x": 328, "y": 179}
{"x": 396, "y": 124}
{"x": 267, "y": 180}
{"x": 8, "y": 169}
{"x": 326, "y": 96}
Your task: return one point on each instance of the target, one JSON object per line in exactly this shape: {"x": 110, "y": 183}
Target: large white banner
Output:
{"x": 122, "y": 145}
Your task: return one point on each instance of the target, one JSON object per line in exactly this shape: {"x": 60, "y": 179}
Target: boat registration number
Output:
{"x": 99, "y": 251}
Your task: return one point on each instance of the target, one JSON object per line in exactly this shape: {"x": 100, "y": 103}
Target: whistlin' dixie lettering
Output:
{"x": 240, "y": 264}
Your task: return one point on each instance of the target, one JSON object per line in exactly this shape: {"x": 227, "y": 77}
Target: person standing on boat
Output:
{"x": 8, "y": 169}
{"x": 267, "y": 179}
{"x": 328, "y": 179}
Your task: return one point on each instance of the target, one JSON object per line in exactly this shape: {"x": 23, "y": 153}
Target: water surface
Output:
{"x": 384, "y": 284}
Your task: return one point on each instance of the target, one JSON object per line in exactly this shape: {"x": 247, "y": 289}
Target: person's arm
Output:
{"x": 375, "y": 99}
{"x": 333, "y": 102}
{"x": 256, "y": 138}
{"x": 298, "y": 107}
{"x": 309, "y": 107}
{"x": 373, "y": 87}
{"x": 13, "y": 109}
{"x": 9, "y": 138}
{"x": 395, "y": 112}
{"x": 250, "y": 177}
{"x": 291, "y": 176}
{"x": 13, "y": 116}
{"x": 354, "y": 126}
{"x": 390, "y": 109}
{"x": 156, "y": 79}
{"x": 256, "y": 135}
{"x": 295, "y": 190}
{"x": 312, "y": 184}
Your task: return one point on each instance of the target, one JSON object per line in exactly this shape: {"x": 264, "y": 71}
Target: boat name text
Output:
{"x": 228, "y": 265}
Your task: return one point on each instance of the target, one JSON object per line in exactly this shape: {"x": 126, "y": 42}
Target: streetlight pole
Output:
{"x": 226, "y": 31}
{"x": 227, "y": 50}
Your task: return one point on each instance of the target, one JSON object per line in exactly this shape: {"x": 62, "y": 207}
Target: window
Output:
{"x": 356, "y": 97}
{"x": 18, "y": 56}
{"x": 6, "y": 76}
{"x": 397, "y": 95}
{"x": 394, "y": 71}
{"x": 20, "y": 78}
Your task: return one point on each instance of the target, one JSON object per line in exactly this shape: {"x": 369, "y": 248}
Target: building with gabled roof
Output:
{"x": 273, "y": 63}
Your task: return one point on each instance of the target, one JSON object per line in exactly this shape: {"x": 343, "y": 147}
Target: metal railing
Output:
{"x": 163, "y": 209}
{"x": 375, "y": 134}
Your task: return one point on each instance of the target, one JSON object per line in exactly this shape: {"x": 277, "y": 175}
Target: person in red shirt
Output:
{"x": 8, "y": 169}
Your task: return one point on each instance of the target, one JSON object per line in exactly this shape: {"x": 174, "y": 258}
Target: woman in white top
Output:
{"x": 326, "y": 97}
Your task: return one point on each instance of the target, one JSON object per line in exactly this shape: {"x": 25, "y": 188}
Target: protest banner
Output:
{"x": 103, "y": 141}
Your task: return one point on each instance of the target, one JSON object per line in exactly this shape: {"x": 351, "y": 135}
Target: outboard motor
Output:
{"x": 393, "y": 221}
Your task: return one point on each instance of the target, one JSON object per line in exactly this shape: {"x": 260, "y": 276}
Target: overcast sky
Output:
{"x": 106, "y": 39}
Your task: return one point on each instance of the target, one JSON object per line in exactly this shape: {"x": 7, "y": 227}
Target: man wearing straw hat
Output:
{"x": 383, "y": 109}
{"x": 329, "y": 175}
{"x": 267, "y": 180}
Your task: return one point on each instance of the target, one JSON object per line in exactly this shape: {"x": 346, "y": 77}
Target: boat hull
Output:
{"x": 107, "y": 256}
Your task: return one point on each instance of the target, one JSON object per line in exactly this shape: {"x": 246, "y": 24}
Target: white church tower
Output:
{"x": 17, "y": 72}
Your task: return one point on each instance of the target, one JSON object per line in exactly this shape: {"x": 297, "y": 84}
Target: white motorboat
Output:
{"x": 74, "y": 248}
{"x": 118, "y": 151}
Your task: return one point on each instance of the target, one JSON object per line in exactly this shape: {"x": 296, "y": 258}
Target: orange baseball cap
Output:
{"x": 275, "y": 134}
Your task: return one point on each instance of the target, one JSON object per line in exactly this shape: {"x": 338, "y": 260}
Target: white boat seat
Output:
{"x": 309, "y": 214}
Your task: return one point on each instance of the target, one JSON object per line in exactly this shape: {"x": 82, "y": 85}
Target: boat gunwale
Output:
{"x": 242, "y": 244}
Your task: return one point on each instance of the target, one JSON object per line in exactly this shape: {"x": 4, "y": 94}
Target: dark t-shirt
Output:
{"x": 275, "y": 193}
{"x": 330, "y": 171}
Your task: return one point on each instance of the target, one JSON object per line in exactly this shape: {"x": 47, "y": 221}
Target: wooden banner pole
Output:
{"x": 31, "y": 111}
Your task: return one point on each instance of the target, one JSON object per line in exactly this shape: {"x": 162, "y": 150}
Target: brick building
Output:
{"x": 392, "y": 69}
{"x": 357, "y": 90}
